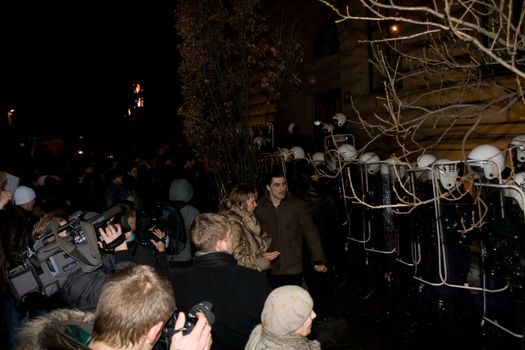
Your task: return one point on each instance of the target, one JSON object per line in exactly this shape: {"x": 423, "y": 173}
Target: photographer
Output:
{"x": 134, "y": 312}
{"x": 133, "y": 309}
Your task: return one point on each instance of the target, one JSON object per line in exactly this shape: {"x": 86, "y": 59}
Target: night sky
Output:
{"x": 69, "y": 67}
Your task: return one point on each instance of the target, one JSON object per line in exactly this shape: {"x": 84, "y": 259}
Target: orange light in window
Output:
{"x": 394, "y": 28}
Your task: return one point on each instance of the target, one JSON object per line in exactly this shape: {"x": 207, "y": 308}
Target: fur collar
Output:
{"x": 243, "y": 218}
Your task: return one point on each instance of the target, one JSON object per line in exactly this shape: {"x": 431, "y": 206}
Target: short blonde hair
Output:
{"x": 207, "y": 229}
{"x": 132, "y": 301}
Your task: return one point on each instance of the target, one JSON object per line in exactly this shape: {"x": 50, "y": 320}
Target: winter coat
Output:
{"x": 48, "y": 331}
{"x": 287, "y": 225}
{"x": 82, "y": 289}
{"x": 250, "y": 243}
{"x": 182, "y": 191}
{"x": 16, "y": 225}
{"x": 148, "y": 255}
{"x": 260, "y": 339}
{"x": 236, "y": 292}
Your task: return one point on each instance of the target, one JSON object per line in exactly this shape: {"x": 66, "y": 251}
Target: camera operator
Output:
{"x": 82, "y": 289}
{"x": 134, "y": 311}
{"x": 147, "y": 248}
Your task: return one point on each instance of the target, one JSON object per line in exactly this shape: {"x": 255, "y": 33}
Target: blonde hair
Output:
{"x": 238, "y": 196}
{"x": 132, "y": 301}
{"x": 207, "y": 229}
{"x": 43, "y": 225}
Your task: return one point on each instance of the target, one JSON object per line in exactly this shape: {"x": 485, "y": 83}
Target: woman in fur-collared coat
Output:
{"x": 250, "y": 243}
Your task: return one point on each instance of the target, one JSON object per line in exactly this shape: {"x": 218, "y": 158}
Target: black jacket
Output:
{"x": 147, "y": 255}
{"x": 236, "y": 292}
{"x": 82, "y": 289}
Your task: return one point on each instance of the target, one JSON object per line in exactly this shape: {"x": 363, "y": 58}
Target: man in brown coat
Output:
{"x": 288, "y": 221}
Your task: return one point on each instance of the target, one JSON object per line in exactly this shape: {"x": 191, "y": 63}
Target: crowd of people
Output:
{"x": 243, "y": 261}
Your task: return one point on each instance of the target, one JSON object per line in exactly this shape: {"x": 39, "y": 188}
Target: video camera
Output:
{"x": 144, "y": 233}
{"x": 191, "y": 319}
{"x": 48, "y": 263}
{"x": 166, "y": 217}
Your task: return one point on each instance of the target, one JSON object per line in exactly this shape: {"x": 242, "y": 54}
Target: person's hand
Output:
{"x": 198, "y": 339}
{"x": 5, "y": 197}
{"x": 110, "y": 233}
{"x": 159, "y": 245}
{"x": 272, "y": 255}
{"x": 320, "y": 268}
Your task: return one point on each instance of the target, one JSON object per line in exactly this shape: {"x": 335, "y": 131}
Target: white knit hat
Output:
{"x": 286, "y": 309}
{"x": 23, "y": 195}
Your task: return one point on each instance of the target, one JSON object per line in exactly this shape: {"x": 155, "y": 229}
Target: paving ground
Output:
{"x": 359, "y": 317}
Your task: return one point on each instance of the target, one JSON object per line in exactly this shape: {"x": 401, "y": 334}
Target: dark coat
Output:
{"x": 237, "y": 294}
{"x": 82, "y": 289}
{"x": 287, "y": 225}
{"x": 16, "y": 225}
{"x": 146, "y": 254}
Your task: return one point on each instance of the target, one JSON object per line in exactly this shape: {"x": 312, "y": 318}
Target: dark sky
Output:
{"x": 70, "y": 63}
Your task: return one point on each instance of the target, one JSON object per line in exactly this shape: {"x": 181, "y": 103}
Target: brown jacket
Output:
{"x": 287, "y": 225}
{"x": 249, "y": 243}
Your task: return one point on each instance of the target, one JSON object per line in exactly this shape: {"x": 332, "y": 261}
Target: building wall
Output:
{"x": 351, "y": 73}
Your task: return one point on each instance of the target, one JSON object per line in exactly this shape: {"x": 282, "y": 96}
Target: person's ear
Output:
{"x": 268, "y": 187}
{"x": 154, "y": 333}
{"x": 218, "y": 245}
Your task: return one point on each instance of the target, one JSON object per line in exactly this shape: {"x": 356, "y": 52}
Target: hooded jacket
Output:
{"x": 181, "y": 191}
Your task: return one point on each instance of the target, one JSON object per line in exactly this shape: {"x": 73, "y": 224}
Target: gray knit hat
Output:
{"x": 286, "y": 309}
